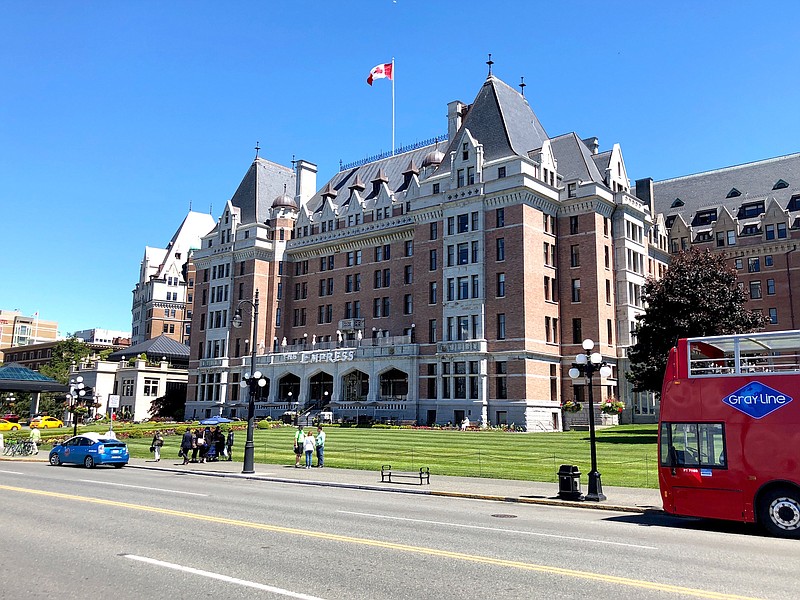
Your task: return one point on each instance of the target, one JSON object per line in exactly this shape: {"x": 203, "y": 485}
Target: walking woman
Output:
{"x": 157, "y": 443}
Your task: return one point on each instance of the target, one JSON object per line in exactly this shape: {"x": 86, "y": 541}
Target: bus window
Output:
{"x": 693, "y": 445}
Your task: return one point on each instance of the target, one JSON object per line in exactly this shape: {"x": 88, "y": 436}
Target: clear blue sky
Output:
{"x": 115, "y": 116}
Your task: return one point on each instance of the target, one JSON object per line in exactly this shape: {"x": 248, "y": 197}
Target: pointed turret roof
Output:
{"x": 263, "y": 183}
{"x": 501, "y": 119}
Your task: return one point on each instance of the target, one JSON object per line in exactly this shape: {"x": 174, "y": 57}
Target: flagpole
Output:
{"x": 393, "y": 78}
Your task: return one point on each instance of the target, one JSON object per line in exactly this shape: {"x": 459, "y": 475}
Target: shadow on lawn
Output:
{"x": 626, "y": 438}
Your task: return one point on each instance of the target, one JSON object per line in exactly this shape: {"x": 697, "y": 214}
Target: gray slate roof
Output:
{"x": 575, "y": 161}
{"x": 709, "y": 189}
{"x": 154, "y": 349}
{"x": 263, "y": 183}
{"x": 392, "y": 167}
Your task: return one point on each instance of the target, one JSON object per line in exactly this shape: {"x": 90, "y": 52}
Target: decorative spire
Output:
{"x": 257, "y": 149}
{"x": 522, "y": 85}
{"x": 490, "y": 62}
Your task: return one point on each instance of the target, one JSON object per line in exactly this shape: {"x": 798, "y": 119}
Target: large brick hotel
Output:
{"x": 456, "y": 279}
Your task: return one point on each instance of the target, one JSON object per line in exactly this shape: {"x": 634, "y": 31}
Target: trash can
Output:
{"x": 569, "y": 483}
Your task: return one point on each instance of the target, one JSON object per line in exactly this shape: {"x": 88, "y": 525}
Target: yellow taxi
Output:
{"x": 46, "y": 423}
{"x": 8, "y": 425}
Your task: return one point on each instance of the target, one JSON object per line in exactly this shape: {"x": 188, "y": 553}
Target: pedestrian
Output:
{"x": 219, "y": 441}
{"x": 298, "y": 446}
{"x": 229, "y": 444}
{"x": 202, "y": 444}
{"x": 309, "y": 444}
{"x": 35, "y": 438}
{"x": 156, "y": 444}
{"x": 465, "y": 424}
{"x": 320, "y": 447}
{"x": 197, "y": 443}
{"x": 187, "y": 443}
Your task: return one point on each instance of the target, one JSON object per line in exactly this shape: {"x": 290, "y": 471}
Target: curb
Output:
{"x": 374, "y": 488}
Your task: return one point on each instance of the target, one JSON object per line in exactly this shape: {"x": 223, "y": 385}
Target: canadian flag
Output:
{"x": 380, "y": 72}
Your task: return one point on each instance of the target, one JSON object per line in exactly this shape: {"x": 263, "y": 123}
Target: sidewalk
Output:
{"x": 505, "y": 490}
{"x": 638, "y": 500}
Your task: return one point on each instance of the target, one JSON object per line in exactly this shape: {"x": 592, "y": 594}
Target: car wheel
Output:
{"x": 88, "y": 462}
{"x": 55, "y": 460}
{"x": 779, "y": 512}
{"x": 14, "y": 428}
{"x": 118, "y": 465}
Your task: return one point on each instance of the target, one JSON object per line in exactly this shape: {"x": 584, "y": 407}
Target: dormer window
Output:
{"x": 677, "y": 202}
{"x": 572, "y": 190}
{"x": 752, "y": 210}
{"x": 734, "y": 193}
{"x": 780, "y": 184}
{"x": 794, "y": 203}
{"x": 705, "y": 217}
{"x": 669, "y": 221}
{"x": 465, "y": 151}
{"x": 751, "y": 229}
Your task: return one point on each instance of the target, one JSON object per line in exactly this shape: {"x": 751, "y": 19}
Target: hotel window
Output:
{"x": 432, "y": 293}
{"x": 753, "y": 265}
{"x": 573, "y": 225}
{"x": 574, "y": 256}
{"x": 434, "y": 231}
{"x": 357, "y": 309}
{"x": 501, "y": 285}
{"x": 501, "y": 326}
{"x": 608, "y": 291}
{"x": 501, "y": 172}
{"x": 501, "y": 370}
{"x": 376, "y": 307}
{"x": 280, "y": 291}
{"x": 463, "y": 223}
{"x": 460, "y": 178}
{"x": 277, "y": 317}
{"x": 781, "y": 230}
{"x": 610, "y": 331}
{"x": 451, "y": 289}
{"x": 770, "y": 287}
{"x": 773, "y": 316}
{"x": 409, "y": 248}
{"x": 755, "y": 290}
{"x": 475, "y": 247}
{"x": 576, "y": 290}
{"x": 408, "y": 306}
{"x": 465, "y": 151}
{"x": 470, "y": 175}
{"x": 407, "y": 275}
{"x": 348, "y": 310}
{"x": 463, "y": 253}
{"x": 738, "y": 263}
{"x": 432, "y": 332}
{"x": 768, "y": 260}
{"x": 348, "y": 284}
{"x": 463, "y": 288}
{"x": 386, "y": 307}
{"x": 547, "y": 329}
{"x": 433, "y": 260}
{"x": 572, "y": 190}
{"x": 501, "y": 249}
{"x": 731, "y": 239}
{"x": 577, "y": 337}
{"x": 500, "y": 217}
{"x": 607, "y": 257}
{"x": 436, "y": 188}
{"x": 476, "y": 286}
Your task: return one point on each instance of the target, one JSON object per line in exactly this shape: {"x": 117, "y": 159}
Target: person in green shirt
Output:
{"x": 299, "y": 436}
{"x": 320, "y": 447}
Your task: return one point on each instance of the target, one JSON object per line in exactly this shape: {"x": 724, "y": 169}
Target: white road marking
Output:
{"x": 560, "y": 537}
{"x": 225, "y": 578}
{"x": 141, "y": 487}
{"x": 12, "y": 472}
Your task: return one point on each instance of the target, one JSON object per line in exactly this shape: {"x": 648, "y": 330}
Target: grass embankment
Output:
{"x": 626, "y": 455}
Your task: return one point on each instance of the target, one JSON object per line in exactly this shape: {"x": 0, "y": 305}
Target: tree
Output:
{"x": 63, "y": 355}
{"x": 698, "y": 296}
{"x": 171, "y": 405}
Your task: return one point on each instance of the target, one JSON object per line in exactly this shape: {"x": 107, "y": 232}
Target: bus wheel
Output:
{"x": 779, "y": 513}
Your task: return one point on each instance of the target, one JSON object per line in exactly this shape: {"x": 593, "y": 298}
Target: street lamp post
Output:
{"x": 76, "y": 392}
{"x": 254, "y": 381}
{"x": 588, "y": 366}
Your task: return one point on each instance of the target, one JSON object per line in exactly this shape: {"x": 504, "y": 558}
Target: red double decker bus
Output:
{"x": 729, "y": 430}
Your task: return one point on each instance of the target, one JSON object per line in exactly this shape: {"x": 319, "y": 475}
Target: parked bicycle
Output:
{"x": 18, "y": 448}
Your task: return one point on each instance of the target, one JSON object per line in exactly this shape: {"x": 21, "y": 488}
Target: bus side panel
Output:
{"x": 757, "y": 450}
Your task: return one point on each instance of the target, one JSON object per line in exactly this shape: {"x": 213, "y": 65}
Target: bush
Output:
{"x": 265, "y": 424}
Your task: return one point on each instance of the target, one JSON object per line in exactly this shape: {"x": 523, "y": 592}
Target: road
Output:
{"x": 69, "y": 532}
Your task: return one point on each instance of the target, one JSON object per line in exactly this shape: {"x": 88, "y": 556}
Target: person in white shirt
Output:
{"x": 309, "y": 443}
{"x": 465, "y": 424}
{"x": 35, "y": 438}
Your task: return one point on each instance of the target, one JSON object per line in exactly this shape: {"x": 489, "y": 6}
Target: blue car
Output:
{"x": 90, "y": 449}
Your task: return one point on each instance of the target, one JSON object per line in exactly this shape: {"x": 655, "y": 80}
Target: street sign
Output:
{"x": 113, "y": 401}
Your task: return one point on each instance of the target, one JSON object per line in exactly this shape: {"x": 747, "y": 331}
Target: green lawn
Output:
{"x": 626, "y": 455}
